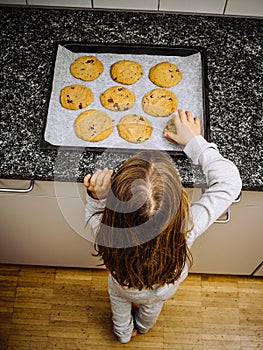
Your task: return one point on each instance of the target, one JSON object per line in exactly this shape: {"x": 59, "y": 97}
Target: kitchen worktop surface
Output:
{"x": 28, "y": 43}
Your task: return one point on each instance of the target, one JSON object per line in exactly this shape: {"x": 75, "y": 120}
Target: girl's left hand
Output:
{"x": 99, "y": 183}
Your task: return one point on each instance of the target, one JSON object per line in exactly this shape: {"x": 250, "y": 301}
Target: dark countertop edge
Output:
{"x": 46, "y": 178}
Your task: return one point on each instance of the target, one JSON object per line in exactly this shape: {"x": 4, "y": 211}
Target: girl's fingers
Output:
{"x": 107, "y": 178}
{"x": 101, "y": 177}
{"x": 189, "y": 116}
{"x": 98, "y": 183}
{"x": 197, "y": 121}
{"x": 86, "y": 180}
{"x": 98, "y": 179}
{"x": 182, "y": 115}
{"x": 176, "y": 119}
{"x": 94, "y": 177}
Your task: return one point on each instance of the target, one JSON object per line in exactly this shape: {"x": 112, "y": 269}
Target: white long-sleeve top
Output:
{"x": 223, "y": 187}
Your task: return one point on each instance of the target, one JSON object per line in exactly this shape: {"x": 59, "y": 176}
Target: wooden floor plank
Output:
{"x": 66, "y": 308}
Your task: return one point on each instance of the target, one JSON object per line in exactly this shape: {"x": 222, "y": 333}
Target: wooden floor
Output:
{"x": 68, "y": 309}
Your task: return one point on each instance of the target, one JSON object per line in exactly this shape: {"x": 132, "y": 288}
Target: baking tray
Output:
{"x": 123, "y": 50}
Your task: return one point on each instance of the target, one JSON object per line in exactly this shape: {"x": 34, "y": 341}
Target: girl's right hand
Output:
{"x": 99, "y": 183}
{"x": 187, "y": 127}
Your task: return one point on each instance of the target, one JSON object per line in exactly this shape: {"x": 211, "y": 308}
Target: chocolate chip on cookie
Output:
{"x": 86, "y": 68}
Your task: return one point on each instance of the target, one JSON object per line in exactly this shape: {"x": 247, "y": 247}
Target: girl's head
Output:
{"x": 142, "y": 237}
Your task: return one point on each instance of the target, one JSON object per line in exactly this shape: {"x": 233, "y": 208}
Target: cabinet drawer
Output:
{"x": 126, "y": 4}
{"x": 42, "y": 188}
{"x": 61, "y": 3}
{"x": 244, "y": 8}
{"x": 198, "y": 6}
{"x": 13, "y": 2}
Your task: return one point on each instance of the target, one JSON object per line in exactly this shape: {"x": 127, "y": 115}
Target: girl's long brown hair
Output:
{"x": 142, "y": 236}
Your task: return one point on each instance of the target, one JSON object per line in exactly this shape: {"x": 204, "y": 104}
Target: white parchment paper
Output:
{"x": 59, "y": 129}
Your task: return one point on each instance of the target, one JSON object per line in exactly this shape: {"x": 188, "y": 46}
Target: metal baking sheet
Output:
{"x": 191, "y": 93}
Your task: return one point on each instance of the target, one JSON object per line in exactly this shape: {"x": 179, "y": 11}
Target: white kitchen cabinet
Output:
{"x": 244, "y": 8}
{"x": 126, "y": 4}
{"x": 13, "y": 2}
{"x": 61, "y": 3}
{"x": 44, "y": 226}
{"x": 193, "y": 6}
{"x": 235, "y": 247}
{"x": 47, "y": 227}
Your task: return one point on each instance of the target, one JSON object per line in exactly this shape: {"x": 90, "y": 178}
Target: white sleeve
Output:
{"x": 223, "y": 185}
{"x": 93, "y": 213}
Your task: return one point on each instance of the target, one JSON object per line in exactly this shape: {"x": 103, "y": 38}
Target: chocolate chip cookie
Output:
{"x": 159, "y": 102}
{"x": 93, "y": 125}
{"x": 86, "y": 68}
{"x": 117, "y": 98}
{"x": 134, "y": 128}
{"x": 165, "y": 74}
{"x": 126, "y": 72}
{"x": 76, "y": 96}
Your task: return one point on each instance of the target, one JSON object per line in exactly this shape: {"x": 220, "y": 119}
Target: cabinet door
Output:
{"x": 234, "y": 247}
{"x": 13, "y": 2}
{"x": 193, "y": 6}
{"x": 60, "y": 3}
{"x": 35, "y": 231}
{"x": 244, "y": 8}
{"x": 126, "y": 4}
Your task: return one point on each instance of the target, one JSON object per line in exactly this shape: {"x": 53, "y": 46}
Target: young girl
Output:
{"x": 144, "y": 225}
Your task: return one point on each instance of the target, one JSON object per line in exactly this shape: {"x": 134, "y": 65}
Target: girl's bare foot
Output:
{"x": 134, "y": 332}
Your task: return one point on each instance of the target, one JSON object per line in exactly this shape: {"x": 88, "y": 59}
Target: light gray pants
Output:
{"x": 151, "y": 303}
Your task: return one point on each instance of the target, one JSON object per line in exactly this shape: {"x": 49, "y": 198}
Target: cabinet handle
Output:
{"x": 238, "y": 199}
{"x": 257, "y": 268}
{"x": 226, "y": 219}
{"x": 17, "y": 190}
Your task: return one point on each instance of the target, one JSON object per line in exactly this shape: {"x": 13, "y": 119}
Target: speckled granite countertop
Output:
{"x": 28, "y": 38}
